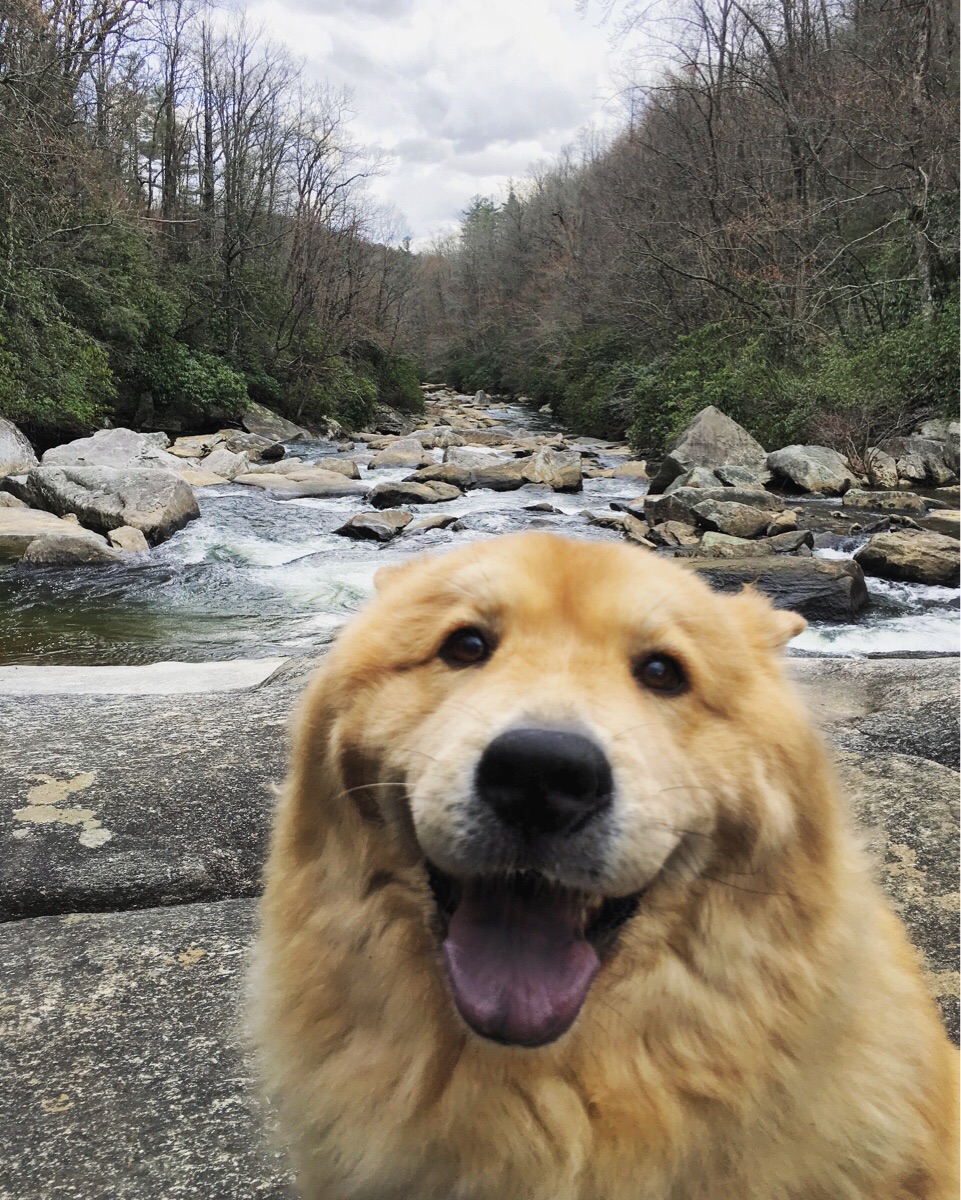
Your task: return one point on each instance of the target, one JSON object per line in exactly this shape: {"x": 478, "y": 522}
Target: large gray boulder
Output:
{"x": 381, "y": 526}
{"x": 310, "y": 483}
{"x": 226, "y": 463}
{"x": 898, "y": 502}
{"x": 156, "y": 502}
{"x": 64, "y": 550}
{"x": 929, "y": 460}
{"x": 711, "y": 439}
{"x": 559, "y": 470}
{"x": 392, "y": 495}
{"x": 501, "y": 476}
{"x": 406, "y": 452}
{"x": 117, "y": 448}
{"x": 738, "y": 520}
{"x": 269, "y": 425}
{"x": 813, "y": 469}
{"x": 20, "y": 527}
{"x": 819, "y": 589}
{"x": 912, "y": 556}
{"x": 16, "y": 453}
{"x": 681, "y": 504}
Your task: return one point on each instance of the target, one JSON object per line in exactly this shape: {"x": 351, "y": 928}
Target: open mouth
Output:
{"x": 522, "y": 952}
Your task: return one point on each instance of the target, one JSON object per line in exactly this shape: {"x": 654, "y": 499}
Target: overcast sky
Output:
{"x": 463, "y": 94}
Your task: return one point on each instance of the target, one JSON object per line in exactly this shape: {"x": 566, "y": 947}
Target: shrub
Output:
{"x": 191, "y": 384}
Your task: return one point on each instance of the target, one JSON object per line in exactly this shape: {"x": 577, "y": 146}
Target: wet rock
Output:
{"x": 944, "y": 521}
{"x": 391, "y": 495}
{"x": 882, "y": 469}
{"x": 438, "y": 521}
{"x": 129, "y": 539}
{"x": 16, "y": 453}
{"x": 198, "y": 445}
{"x": 903, "y": 502}
{"x": 697, "y": 477}
{"x": 7, "y": 500}
{"x": 752, "y": 478}
{"x": 813, "y": 469}
{"x": 226, "y": 463}
{"x": 673, "y": 533}
{"x": 605, "y": 520}
{"x": 489, "y": 437}
{"x": 269, "y": 425}
{"x": 156, "y": 502}
{"x": 819, "y": 589}
{"x": 559, "y": 471}
{"x": 313, "y": 483}
{"x": 711, "y": 439}
{"x": 723, "y": 545}
{"x": 738, "y": 520}
{"x": 680, "y": 505}
{"x": 300, "y": 472}
{"x": 438, "y": 437}
{"x": 791, "y": 541}
{"x": 912, "y": 556}
{"x": 505, "y": 476}
{"x": 123, "y": 1071}
{"x": 21, "y": 526}
{"x": 381, "y": 526}
{"x": 407, "y": 452}
{"x": 116, "y": 448}
{"x": 638, "y": 531}
{"x": 465, "y": 456}
{"x": 70, "y": 550}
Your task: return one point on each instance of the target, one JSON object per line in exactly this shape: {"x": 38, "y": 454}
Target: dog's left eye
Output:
{"x": 661, "y": 673}
{"x": 465, "y": 648}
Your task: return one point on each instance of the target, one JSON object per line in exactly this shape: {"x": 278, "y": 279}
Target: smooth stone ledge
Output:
{"x": 150, "y": 679}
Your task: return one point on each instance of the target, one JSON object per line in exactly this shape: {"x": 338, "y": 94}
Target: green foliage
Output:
{"x": 398, "y": 383}
{"x": 191, "y": 384}
{"x": 483, "y": 372}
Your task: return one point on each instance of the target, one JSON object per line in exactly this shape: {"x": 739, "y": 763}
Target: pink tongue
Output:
{"x": 518, "y": 965}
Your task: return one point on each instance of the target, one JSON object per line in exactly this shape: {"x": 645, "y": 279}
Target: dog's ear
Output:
{"x": 773, "y": 627}
{"x": 386, "y": 577}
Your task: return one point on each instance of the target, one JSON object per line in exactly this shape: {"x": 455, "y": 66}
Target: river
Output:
{"x": 259, "y": 577}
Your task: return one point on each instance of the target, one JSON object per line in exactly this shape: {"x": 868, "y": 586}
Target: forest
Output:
{"x": 185, "y": 227}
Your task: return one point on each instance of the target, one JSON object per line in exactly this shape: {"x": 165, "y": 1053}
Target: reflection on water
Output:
{"x": 255, "y": 577}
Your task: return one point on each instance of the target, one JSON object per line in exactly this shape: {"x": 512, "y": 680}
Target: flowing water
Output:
{"x": 258, "y": 577}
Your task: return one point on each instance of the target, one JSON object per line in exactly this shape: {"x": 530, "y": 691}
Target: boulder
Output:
{"x": 489, "y": 437}
{"x": 711, "y": 439}
{"x": 69, "y": 550}
{"x": 267, "y": 424}
{"x": 697, "y": 477}
{"x": 376, "y": 526}
{"x": 340, "y": 466}
{"x": 900, "y": 502}
{"x": 129, "y": 539}
{"x": 198, "y": 445}
{"x": 257, "y": 448}
{"x": 813, "y": 469}
{"x": 407, "y": 452}
{"x": 680, "y": 505}
{"x": 738, "y": 520}
{"x": 16, "y": 453}
{"x": 439, "y": 437}
{"x": 389, "y": 420}
{"x": 156, "y": 502}
{"x": 631, "y": 470}
{"x": 723, "y": 545}
{"x": 505, "y": 476}
{"x": 819, "y": 589}
{"x": 393, "y": 495}
{"x": 912, "y": 556}
{"x": 672, "y": 533}
{"x": 437, "y": 521}
{"x": 313, "y": 483}
{"x": 944, "y": 521}
{"x": 783, "y": 522}
{"x": 925, "y": 459}
{"x": 940, "y": 429}
{"x": 466, "y": 456}
{"x": 558, "y": 470}
{"x": 115, "y": 448}
{"x": 226, "y": 463}
{"x": 7, "y": 500}
{"x": 21, "y": 526}
{"x": 199, "y": 478}
{"x": 752, "y": 478}
{"x": 289, "y": 465}
{"x": 882, "y": 469}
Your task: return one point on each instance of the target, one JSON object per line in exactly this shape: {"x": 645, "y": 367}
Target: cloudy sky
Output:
{"x": 463, "y": 94}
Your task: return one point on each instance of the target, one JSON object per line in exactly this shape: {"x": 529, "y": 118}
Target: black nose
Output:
{"x": 544, "y": 780}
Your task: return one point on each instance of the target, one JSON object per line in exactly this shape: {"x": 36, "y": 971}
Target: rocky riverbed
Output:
{"x": 146, "y": 690}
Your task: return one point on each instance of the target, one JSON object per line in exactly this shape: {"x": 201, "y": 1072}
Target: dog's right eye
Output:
{"x": 465, "y": 648}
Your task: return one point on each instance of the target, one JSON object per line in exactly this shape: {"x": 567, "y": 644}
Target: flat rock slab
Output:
{"x": 151, "y": 679}
{"x": 122, "y": 1073}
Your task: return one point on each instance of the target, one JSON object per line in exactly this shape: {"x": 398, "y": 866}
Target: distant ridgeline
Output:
{"x": 774, "y": 231}
{"x": 183, "y": 227}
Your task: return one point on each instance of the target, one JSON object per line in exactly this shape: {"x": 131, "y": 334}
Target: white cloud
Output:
{"x": 462, "y": 95}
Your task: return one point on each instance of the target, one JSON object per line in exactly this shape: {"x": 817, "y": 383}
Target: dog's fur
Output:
{"x": 760, "y": 1030}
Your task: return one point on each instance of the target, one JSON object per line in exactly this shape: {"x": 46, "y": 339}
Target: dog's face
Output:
{"x": 551, "y": 728}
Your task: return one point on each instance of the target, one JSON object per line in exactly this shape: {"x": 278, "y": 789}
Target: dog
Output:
{"x": 562, "y": 904}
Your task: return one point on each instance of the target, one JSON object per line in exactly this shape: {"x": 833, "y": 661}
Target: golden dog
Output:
{"x": 562, "y": 904}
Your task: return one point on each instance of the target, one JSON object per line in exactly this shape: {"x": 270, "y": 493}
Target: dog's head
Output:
{"x": 551, "y": 731}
